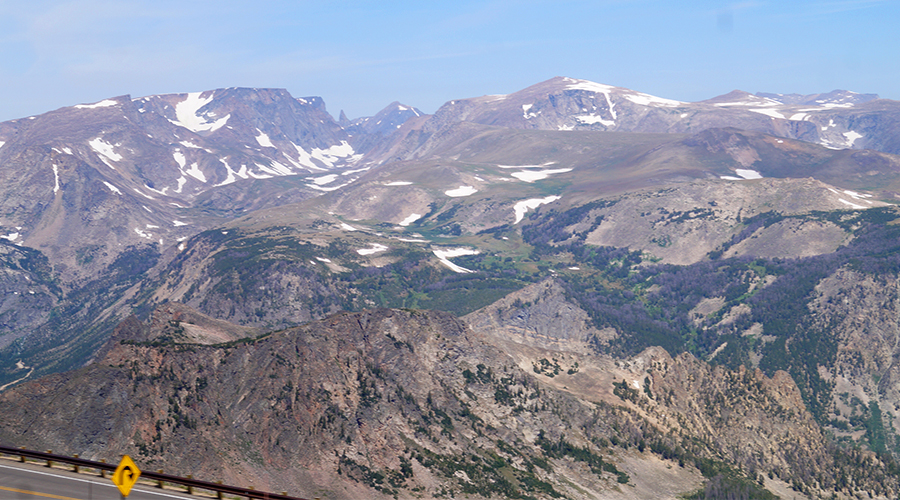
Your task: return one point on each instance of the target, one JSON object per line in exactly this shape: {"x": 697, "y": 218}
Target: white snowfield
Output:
{"x": 593, "y": 119}
{"x": 102, "y": 104}
{"x": 264, "y": 140}
{"x": 410, "y": 219}
{"x": 187, "y": 117}
{"x": 334, "y": 154}
{"x": 744, "y": 173}
{"x": 106, "y": 151}
{"x": 531, "y": 176}
{"x": 398, "y": 183}
{"x": 375, "y": 249}
{"x": 325, "y": 179}
{"x": 522, "y": 207}
{"x": 461, "y": 191}
{"x": 448, "y": 253}
{"x": 348, "y": 227}
{"x": 852, "y": 137}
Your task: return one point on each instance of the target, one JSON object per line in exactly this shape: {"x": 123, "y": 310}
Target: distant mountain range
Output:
{"x": 573, "y": 290}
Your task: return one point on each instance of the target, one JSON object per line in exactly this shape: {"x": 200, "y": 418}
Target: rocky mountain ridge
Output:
{"x": 411, "y": 402}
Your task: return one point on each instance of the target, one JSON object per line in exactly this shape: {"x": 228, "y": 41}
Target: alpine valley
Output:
{"x": 573, "y": 291}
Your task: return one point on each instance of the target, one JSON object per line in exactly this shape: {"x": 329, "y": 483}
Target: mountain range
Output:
{"x": 575, "y": 290}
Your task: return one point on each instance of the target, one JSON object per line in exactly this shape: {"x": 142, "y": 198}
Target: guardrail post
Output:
{"x": 160, "y": 484}
{"x": 190, "y": 488}
{"x": 219, "y": 493}
{"x": 22, "y": 457}
{"x": 102, "y": 471}
{"x": 49, "y": 462}
{"x": 75, "y": 466}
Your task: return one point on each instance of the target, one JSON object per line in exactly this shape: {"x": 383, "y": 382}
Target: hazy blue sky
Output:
{"x": 360, "y": 55}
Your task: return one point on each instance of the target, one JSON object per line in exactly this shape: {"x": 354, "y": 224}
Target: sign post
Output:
{"x": 126, "y": 475}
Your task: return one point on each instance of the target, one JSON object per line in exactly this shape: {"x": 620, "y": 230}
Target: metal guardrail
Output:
{"x": 103, "y": 467}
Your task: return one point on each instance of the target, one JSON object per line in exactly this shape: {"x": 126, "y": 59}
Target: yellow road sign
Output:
{"x": 126, "y": 475}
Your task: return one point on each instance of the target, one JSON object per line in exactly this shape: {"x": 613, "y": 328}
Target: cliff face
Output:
{"x": 410, "y": 403}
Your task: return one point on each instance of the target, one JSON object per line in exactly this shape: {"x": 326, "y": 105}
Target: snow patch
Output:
{"x": 143, "y": 234}
{"x": 113, "y": 188}
{"x": 11, "y": 236}
{"x": 855, "y": 195}
{"x": 56, "y": 178}
{"x": 369, "y": 251}
{"x": 264, "y": 140}
{"x": 102, "y": 104}
{"x": 852, "y": 137}
{"x": 591, "y": 119}
{"x": 323, "y": 259}
{"x": 768, "y": 112}
{"x": 852, "y": 205}
{"x": 178, "y": 223}
{"x": 410, "y": 219}
{"x": 136, "y": 190}
{"x": 525, "y": 113}
{"x": 799, "y": 117}
{"x": 348, "y": 227}
{"x": 461, "y": 191}
{"x": 304, "y": 159}
{"x": 531, "y": 176}
{"x": 330, "y": 188}
{"x": 334, "y": 153}
{"x": 651, "y": 100}
{"x": 748, "y": 174}
{"x": 398, "y": 183}
{"x": 105, "y": 150}
{"x": 522, "y": 207}
{"x": 179, "y": 159}
{"x": 526, "y": 166}
{"x": 325, "y": 179}
{"x": 445, "y": 255}
{"x": 196, "y": 173}
{"x": 187, "y": 117}
{"x": 588, "y": 85}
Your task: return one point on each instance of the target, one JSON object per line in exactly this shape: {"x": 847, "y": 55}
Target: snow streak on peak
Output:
{"x": 633, "y": 96}
{"x": 102, "y": 104}
{"x": 187, "y": 117}
{"x": 588, "y": 85}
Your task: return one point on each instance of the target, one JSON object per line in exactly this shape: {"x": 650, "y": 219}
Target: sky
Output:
{"x": 362, "y": 55}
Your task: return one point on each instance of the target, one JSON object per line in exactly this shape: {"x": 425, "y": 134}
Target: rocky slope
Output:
{"x": 412, "y": 403}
